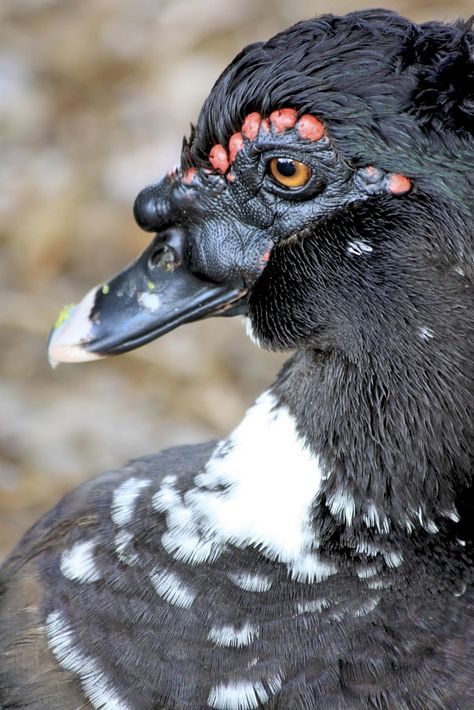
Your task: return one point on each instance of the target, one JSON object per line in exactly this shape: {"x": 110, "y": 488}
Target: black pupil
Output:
{"x": 286, "y": 167}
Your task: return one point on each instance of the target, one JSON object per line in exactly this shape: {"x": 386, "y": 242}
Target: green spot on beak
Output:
{"x": 63, "y": 315}
{"x": 105, "y": 289}
{"x": 150, "y": 285}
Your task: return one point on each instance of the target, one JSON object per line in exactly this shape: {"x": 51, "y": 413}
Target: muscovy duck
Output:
{"x": 321, "y": 555}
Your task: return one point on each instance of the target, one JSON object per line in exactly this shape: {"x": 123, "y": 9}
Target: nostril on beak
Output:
{"x": 147, "y": 211}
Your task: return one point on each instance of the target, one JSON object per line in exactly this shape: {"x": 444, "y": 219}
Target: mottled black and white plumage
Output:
{"x": 321, "y": 555}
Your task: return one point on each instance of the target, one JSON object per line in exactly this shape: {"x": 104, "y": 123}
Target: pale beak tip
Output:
{"x": 72, "y": 333}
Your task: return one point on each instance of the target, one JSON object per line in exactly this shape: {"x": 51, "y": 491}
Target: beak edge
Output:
{"x": 72, "y": 333}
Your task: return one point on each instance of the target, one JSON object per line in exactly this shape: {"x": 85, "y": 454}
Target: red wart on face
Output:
{"x": 236, "y": 143}
{"x": 251, "y": 125}
{"x": 309, "y": 128}
{"x": 283, "y": 119}
{"x": 219, "y": 159}
{"x": 398, "y": 184}
{"x": 377, "y": 180}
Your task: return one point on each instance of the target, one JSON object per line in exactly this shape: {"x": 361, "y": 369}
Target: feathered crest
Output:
{"x": 186, "y": 149}
{"x": 442, "y": 58}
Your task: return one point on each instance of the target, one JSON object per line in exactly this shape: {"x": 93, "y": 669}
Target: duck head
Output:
{"x": 323, "y": 194}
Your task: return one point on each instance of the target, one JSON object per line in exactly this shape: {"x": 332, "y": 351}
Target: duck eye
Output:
{"x": 289, "y": 173}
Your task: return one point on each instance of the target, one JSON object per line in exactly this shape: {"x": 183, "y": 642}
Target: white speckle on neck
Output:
{"x": 251, "y": 582}
{"x": 172, "y": 589}
{"x": 150, "y": 301}
{"x": 358, "y": 248}
{"x": 342, "y": 505}
{"x": 428, "y": 524}
{"x": 366, "y": 571}
{"x": 452, "y": 515}
{"x": 373, "y": 519}
{"x": 393, "y": 558}
{"x": 124, "y": 499}
{"x": 250, "y": 331}
{"x": 97, "y": 688}
{"x": 78, "y": 564}
{"x": 368, "y": 549}
{"x": 425, "y": 333}
{"x": 228, "y": 636}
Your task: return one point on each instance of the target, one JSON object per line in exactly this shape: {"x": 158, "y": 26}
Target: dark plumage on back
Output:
{"x": 321, "y": 555}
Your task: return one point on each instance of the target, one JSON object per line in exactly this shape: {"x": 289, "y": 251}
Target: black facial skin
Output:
{"x": 232, "y": 225}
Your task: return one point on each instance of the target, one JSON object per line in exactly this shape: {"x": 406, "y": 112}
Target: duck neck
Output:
{"x": 392, "y": 444}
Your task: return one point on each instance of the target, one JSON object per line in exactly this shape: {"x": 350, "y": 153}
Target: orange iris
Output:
{"x": 289, "y": 173}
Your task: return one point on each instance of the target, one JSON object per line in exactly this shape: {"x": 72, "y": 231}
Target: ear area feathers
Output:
{"x": 441, "y": 58}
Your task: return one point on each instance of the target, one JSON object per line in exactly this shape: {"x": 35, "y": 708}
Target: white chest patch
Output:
{"x": 257, "y": 489}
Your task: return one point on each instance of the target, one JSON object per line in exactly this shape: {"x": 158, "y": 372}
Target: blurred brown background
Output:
{"x": 95, "y": 96}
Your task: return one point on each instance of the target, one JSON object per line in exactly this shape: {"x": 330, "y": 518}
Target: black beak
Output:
{"x": 151, "y": 296}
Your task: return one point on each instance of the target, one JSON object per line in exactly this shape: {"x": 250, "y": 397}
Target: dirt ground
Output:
{"x": 95, "y": 97}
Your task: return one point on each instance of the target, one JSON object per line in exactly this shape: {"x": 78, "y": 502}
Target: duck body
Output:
{"x": 321, "y": 555}
{"x": 148, "y": 600}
